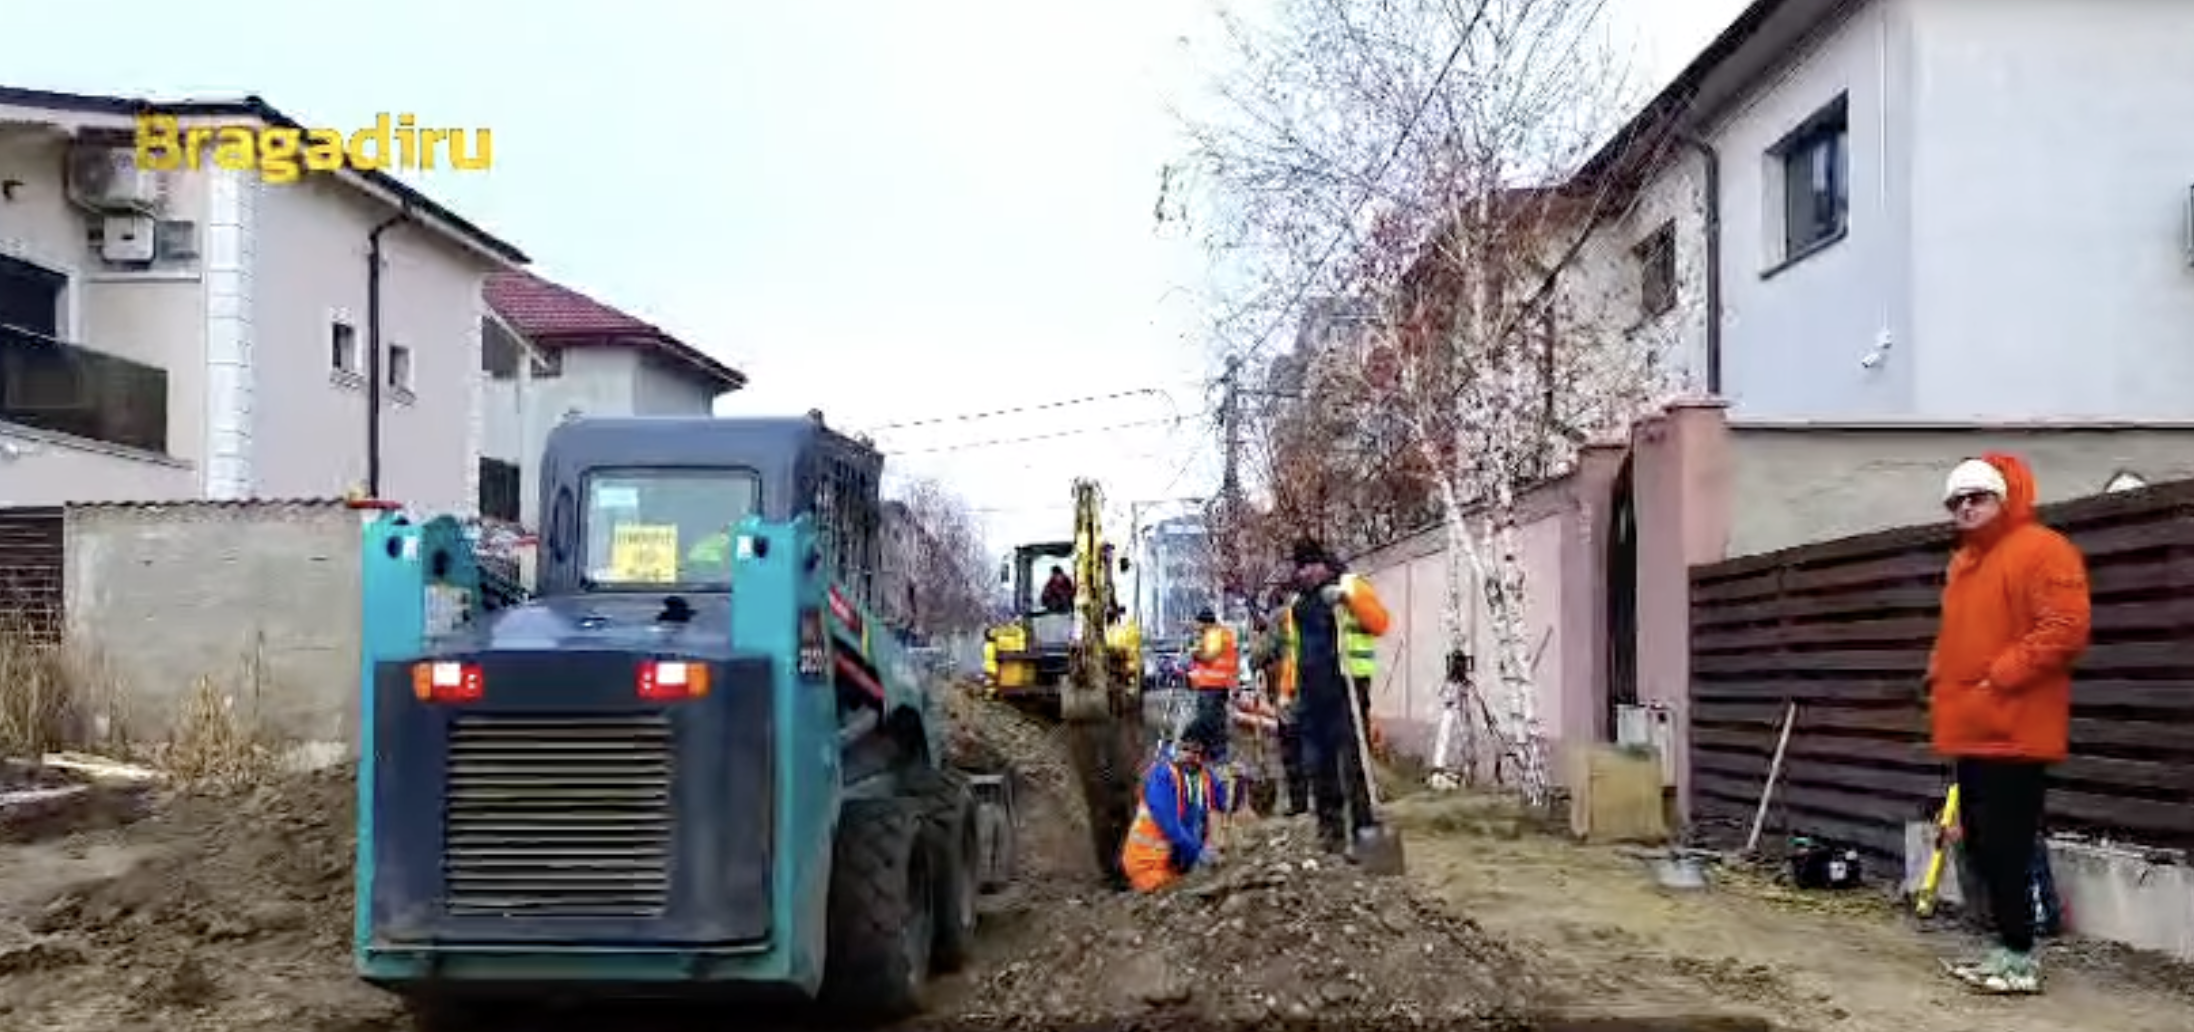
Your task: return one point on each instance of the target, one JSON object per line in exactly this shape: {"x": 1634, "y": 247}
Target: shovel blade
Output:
{"x": 1378, "y": 851}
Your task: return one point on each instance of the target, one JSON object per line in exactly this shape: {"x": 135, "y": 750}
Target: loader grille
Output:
{"x": 557, "y": 816}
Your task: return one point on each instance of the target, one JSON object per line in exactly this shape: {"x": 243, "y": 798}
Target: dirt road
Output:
{"x": 232, "y": 912}
{"x": 1595, "y": 922}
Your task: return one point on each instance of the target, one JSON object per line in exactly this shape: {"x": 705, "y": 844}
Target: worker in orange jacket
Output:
{"x": 1171, "y": 832}
{"x": 1331, "y": 603}
{"x": 1214, "y": 670}
{"x": 2015, "y": 615}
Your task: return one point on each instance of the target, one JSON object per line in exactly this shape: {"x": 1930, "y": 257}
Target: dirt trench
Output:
{"x": 232, "y": 911}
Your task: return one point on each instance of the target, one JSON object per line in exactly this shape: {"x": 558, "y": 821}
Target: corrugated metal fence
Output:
{"x": 31, "y": 573}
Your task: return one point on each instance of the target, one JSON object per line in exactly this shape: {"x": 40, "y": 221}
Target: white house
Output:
{"x": 203, "y": 333}
{"x": 1914, "y": 210}
{"x": 550, "y": 353}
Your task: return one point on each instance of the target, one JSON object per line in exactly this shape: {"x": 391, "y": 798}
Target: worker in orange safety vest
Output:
{"x": 1171, "y": 832}
{"x": 1214, "y": 671}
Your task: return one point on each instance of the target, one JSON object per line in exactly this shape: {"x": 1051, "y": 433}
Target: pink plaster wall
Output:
{"x": 1680, "y": 478}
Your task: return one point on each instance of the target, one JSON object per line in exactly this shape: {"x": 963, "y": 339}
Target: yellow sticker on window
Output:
{"x": 644, "y": 553}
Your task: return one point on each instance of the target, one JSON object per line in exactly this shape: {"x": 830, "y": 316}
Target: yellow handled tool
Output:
{"x": 1946, "y": 832}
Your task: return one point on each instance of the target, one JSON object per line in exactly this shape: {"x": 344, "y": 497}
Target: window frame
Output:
{"x": 1798, "y": 157}
{"x": 584, "y": 508}
{"x": 1656, "y": 258}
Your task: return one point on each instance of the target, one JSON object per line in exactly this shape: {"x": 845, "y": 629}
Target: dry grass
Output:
{"x": 54, "y": 698}
{"x": 218, "y": 736}
{"x": 40, "y": 698}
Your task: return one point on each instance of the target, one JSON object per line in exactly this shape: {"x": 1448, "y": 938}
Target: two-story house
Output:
{"x": 1909, "y": 210}
{"x": 551, "y": 353}
{"x": 1891, "y": 233}
{"x": 203, "y": 333}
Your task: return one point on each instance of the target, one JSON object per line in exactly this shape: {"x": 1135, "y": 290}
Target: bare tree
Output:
{"x": 1443, "y": 166}
{"x": 944, "y": 572}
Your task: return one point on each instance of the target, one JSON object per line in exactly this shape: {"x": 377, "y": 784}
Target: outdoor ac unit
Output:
{"x": 128, "y": 238}
{"x": 108, "y": 179}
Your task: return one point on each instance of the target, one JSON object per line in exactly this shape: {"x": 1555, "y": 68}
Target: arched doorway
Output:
{"x": 1622, "y": 597}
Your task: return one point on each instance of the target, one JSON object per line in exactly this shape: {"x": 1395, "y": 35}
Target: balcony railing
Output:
{"x": 50, "y": 384}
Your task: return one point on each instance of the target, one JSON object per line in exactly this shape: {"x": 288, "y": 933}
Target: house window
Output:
{"x": 500, "y": 485}
{"x": 498, "y": 351}
{"x": 1815, "y": 165}
{"x": 1656, "y": 256}
{"x": 50, "y": 384}
{"x": 342, "y": 347}
{"x": 548, "y": 363}
{"x": 399, "y": 370}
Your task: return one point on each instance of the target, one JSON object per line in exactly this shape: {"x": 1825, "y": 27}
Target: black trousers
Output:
{"x": 2000, "y": 811}
{"x": 1339, "y": 792}
{"x": 1292, "y": 768}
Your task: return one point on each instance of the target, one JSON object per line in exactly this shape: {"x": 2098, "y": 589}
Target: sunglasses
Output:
{"x": 1960, "y": 501}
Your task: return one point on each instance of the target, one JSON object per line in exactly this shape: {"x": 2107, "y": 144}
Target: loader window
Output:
{"x": 656, "y": 528}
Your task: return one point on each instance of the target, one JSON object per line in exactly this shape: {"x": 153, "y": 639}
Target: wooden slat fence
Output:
{"x": 1843, "y": 629}
{"x": 30, "y": 573}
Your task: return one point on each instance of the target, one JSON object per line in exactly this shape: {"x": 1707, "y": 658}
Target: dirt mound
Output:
{"x": 1052, "y": 819}
{"x": 1275, "y": 932}
{"x": 236, "y": 915}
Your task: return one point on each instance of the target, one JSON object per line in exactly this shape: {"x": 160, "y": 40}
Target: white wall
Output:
{"x": 309, "y": 423}
{"x": 2054, "y": 150}
{"x": 1793, "y": 335}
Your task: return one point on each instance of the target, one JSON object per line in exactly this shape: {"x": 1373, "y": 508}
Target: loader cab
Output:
{"x": 651, "y": 504}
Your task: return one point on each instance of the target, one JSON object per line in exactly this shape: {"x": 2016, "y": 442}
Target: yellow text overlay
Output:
{"x": 281, "y": 154}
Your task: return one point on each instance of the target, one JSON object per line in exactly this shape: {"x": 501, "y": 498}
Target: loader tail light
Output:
{"x": 813, "y": 651}
{"x": 666, "y": 680}
{"x": 447, "y": 682}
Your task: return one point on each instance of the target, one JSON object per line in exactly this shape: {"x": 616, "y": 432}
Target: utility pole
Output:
{"x": 1230, "y": 478}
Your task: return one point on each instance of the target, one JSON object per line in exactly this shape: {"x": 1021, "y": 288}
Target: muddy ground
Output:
{"x": 231, "y": 911}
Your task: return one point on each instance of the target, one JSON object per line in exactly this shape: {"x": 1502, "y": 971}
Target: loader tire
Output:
{"x": 950, "y": 837}
{"x": 881, "y": 923}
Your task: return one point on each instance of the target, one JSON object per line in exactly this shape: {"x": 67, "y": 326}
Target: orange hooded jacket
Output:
{"x": 2015, "y": 617}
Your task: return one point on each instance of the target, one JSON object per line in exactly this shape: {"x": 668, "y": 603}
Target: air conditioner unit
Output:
{"x": 128, "y": 238}
{"x": 108, "y": 179}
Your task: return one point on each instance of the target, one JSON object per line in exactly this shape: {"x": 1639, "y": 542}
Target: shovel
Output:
{"x": 1378, "y": 848}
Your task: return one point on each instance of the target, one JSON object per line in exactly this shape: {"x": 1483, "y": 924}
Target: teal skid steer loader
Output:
{"x": 690, "y": 765}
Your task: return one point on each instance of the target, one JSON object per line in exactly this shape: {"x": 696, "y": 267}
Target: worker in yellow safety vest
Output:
{"x": 1214, "y": 669}
{"x": 1329, "y": 630}
{"x": 1171, "y": 832}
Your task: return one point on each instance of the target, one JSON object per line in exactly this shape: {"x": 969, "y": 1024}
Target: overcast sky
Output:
{"x": 893, "y": 210}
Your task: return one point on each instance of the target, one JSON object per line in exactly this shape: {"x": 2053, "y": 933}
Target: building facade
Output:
{"x": 204, "y": 334}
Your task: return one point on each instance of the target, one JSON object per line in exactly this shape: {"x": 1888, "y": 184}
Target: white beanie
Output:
{"x": 1975, "y": 475}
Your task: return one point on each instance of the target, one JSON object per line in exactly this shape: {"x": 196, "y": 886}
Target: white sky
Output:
{"x": 887, "y": 209}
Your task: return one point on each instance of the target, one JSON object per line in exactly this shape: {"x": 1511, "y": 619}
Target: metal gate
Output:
{"x": 30, "y": 573}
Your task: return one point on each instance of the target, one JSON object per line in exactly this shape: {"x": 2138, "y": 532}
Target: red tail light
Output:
{"x": 666, "y": 680}
{"x": 447, "y": 682}
{"x": 813, "y": 653}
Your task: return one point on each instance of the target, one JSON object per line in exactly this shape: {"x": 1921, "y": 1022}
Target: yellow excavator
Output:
{"x": 1031, "y": 655}
{"x": 1082, "y": 668}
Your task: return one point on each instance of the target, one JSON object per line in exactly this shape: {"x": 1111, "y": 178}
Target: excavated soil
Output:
{"x": 232, "y": 912}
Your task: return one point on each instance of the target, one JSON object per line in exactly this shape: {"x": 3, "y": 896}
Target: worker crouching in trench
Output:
{"x": 1171, "y": 833}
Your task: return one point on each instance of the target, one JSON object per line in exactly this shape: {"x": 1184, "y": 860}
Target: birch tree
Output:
{"x": 1427, "y": 160}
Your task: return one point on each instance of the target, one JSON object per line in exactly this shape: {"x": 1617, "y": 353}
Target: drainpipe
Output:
{"x": 1713, "y": 190}
{"x": 373, "y": 348}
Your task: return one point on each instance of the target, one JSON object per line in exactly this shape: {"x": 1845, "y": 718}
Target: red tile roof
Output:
{"x": 549, "y": 313}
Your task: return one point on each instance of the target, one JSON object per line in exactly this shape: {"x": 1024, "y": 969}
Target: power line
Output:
{"x": 966, "y": 417}
{"x": 1173, "y": 421}
{"x": 1409, "y": 128}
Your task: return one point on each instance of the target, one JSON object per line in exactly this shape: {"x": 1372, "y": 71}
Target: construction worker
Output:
{"x": 1270, "y": 657}
{"x": 1171, "y": 832}
{"x": 1213, "y": 671}
{"x": 1328, "y": 603}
